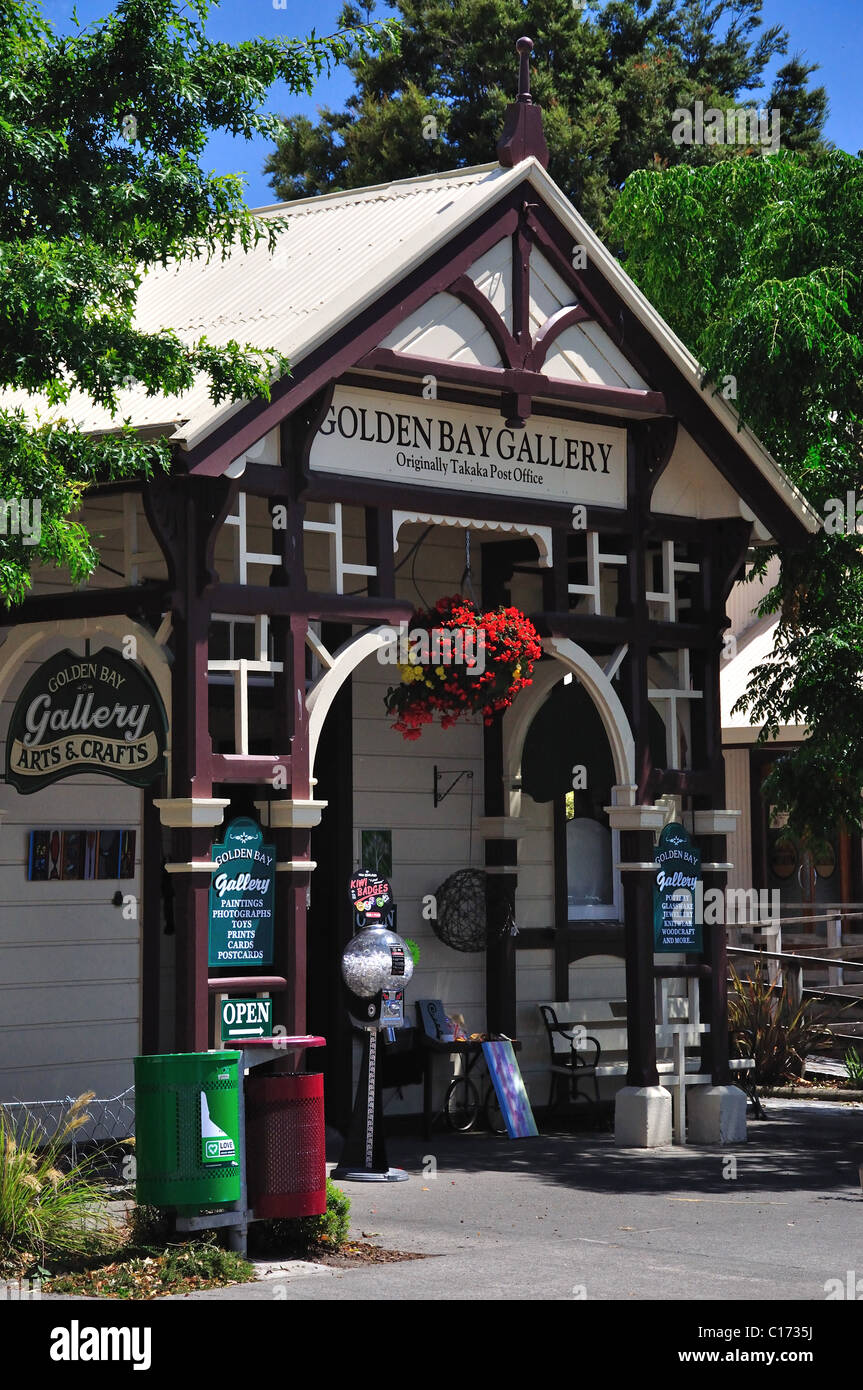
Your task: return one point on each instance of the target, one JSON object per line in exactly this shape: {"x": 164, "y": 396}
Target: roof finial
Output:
{"x": 522, "y": 132}
{"x": 524, "y": 47}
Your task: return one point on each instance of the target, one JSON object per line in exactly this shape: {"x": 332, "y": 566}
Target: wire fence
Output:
{"x": 108, "y": 1120}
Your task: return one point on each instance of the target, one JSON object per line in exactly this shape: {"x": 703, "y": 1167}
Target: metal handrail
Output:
{"x": 819, "y": 917}
{"x": 794, "y": 957}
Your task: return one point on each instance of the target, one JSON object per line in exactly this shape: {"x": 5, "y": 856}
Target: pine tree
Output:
{"x": 608, "y": 80}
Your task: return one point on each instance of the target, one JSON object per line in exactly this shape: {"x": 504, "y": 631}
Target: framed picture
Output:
{"x": 72, "y": 863}
{"x": 80, "y": 854}
{"x": 376, "y": 852}
{"x": 127, "y": 854}
{"x": 53, "y": 853}
{"x": 38, "y": 857}
{"x": 109, "y": 854}
{"x": 91, "y": 844}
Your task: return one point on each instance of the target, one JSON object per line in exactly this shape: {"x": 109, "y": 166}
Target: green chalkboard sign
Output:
{"x": 242, "y": 897}
{"x": 676, "y": 921}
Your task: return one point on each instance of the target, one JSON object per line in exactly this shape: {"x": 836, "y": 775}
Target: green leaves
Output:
{"x": 87, "y": 209}
{"x": 756, "y": 264}
{"x": 55, "y": 463}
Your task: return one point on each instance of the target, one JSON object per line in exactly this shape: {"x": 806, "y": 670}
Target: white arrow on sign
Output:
{"x": 245, "y": 1032}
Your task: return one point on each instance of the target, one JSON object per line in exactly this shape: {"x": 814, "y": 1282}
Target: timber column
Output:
{"x": 185, "y": 515}
{"x": 642, "y": 1108}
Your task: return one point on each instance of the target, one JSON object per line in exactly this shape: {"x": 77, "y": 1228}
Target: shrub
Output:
{"x": 149, "y": 1226}
{"x": 854, "y": 1067}
{"x": 44, "y": 1211}
{"x": 778, "y": 1035}
{"x": 307, "y": 1232}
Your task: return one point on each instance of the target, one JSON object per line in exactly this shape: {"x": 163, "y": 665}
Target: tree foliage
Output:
{"x": 757, "y": 266}
{"x": 608, "y": 78}
{"x": 101, "y": 134}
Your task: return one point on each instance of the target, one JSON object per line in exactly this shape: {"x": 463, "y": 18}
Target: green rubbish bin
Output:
{"x": 187, "y": 1127}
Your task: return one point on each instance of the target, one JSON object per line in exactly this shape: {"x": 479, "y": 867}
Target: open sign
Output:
{"x": 246, "y": 1018}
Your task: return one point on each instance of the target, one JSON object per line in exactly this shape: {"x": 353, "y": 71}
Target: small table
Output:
{"x": 469, "y": 1048}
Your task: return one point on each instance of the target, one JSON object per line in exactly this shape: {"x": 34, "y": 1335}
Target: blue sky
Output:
{"x": 827, "y": 32}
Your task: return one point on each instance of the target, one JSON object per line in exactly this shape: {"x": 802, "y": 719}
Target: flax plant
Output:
{"x": 46, "y": 1212}
{"x": 766, "y": 1025}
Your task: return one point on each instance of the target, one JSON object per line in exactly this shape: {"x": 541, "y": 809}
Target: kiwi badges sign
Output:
{"x": 678, "y": 872}
{"x": 242, "y": 896}
{"x": 97, "y": 713}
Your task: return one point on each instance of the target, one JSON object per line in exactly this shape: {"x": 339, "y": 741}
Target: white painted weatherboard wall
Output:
{"x": 69, "y": 961}
{"x": 70, "y": 972}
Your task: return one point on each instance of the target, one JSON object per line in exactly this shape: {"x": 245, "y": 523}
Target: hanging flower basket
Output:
{"x": 455, "y": 661}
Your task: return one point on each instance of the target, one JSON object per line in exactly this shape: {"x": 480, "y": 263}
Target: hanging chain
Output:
{"x": 467, "y": 577}
{"x": 470, "y": 830}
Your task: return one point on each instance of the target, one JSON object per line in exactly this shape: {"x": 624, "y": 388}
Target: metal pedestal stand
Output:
{"x": 364, "y": 1157}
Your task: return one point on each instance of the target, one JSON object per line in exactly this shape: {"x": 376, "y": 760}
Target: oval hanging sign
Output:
{"x": 97, "y": 713}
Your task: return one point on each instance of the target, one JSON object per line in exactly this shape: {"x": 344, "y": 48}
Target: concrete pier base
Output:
{"x": 642, "y": 1117}
{"x": 717, "y": 1115}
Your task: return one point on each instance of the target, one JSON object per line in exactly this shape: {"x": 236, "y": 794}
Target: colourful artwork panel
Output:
{"x": 510, "y": 1090}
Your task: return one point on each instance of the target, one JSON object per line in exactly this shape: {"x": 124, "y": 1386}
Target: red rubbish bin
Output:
{"x": 286, "y": 1168}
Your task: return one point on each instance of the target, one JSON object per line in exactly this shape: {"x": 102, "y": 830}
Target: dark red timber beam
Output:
{"x": 518, "y": 380}
{"x": 343, "y": 349}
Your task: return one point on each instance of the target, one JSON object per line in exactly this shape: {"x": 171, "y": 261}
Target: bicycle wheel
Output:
{"x": 494, "y": 1120}
{"x": 462, "y": 1104}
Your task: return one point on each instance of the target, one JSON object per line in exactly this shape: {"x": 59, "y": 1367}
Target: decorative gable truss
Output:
{"x": 516, "y": 321}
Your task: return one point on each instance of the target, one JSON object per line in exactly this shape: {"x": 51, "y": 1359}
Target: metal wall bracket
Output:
{"x": 440, "y": 796}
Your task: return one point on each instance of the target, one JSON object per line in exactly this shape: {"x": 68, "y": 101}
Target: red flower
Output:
{"x": 508, "y": 643}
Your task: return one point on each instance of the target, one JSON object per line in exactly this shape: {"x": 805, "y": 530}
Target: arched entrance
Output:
{"x": 598, "y": 685}
{"x": 333, "y": 731}
{"x": 569, "y": 906}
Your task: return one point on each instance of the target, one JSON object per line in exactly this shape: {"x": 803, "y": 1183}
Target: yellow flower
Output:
{"x": 516, "y": 672}
{"x": 439, "y": 672}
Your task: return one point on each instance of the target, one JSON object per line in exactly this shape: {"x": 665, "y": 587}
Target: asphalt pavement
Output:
{"x": 571, "y": 1216}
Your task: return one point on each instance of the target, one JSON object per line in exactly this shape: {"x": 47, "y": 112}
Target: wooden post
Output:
{"x": 835, "y": 974}
{"x": 637, "y": 846}
{"x": 794, "y": 984}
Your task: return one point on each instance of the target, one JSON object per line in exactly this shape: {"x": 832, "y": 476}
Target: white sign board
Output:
{"x": 441, "y": 444}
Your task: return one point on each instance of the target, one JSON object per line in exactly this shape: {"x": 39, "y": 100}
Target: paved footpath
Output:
{"x": 571, "y": 1216}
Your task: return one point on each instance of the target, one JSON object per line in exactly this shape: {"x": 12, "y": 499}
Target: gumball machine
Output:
{"x": 376, "y": 966}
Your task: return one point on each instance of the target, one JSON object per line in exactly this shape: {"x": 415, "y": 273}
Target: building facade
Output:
{"x": 481, "y": 400}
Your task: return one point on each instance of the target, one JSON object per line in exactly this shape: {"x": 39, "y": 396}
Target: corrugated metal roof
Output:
{"x": 340, "y": 252}
{"x": 336, "y": 250}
